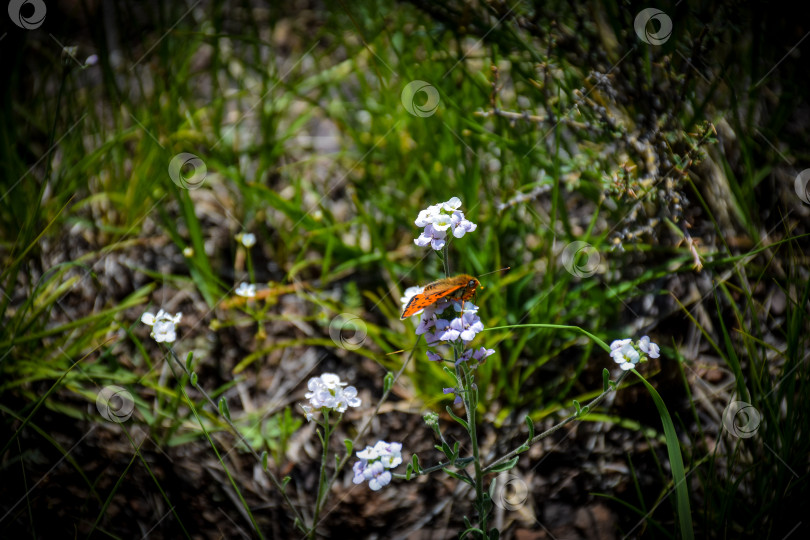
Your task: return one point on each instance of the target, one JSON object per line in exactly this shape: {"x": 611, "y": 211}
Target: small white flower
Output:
{"x": 627, "y": 356}
{"x": 648, "y": 347}
{"x": 426, "y": 216}
{"x": 619, "y": 343}
{"x": 327, "y": 392}
{"x": 442, "y": 222}
{"x": 369, "y": 453}
{"x": 248, "y": 291}
{"x": 345, "y": 398}
{"x": 390, "y": 453}
{"x": 163, "y": 325}
{"x": 452, "y": 205}
{"x": 330, "y": 380}
{"x": 247, "y": 239}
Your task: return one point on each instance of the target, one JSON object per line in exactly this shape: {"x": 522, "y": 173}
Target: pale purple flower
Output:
{"x": 431, "y": 236}
{"x": 465, "y": 356}
{"x": 433, "y": 357}
{"x": 378, "y": 477}
{"x": 375, "y": 462}
{"x": 465, "y": 327}
{"x": 427, "y": 322}
{"x": 481, "y": 354}
{"x": 461, "y": 225}
{"x": 437, "y": 219}
{"x": 458, "y": 399}
{"x": 439, "y": 327}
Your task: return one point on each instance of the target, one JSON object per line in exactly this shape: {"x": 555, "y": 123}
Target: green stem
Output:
{"x": 471, "y": 403}
{"x": 250, "y": 267}
{"x": 327, "y": 433}
{"x": 598, "y": 341}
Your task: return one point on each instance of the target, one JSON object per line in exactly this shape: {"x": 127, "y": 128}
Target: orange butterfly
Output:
{"x": 461, "y": 287}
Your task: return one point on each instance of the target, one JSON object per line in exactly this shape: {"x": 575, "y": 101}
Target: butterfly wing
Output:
{"x": 429, "y": 296}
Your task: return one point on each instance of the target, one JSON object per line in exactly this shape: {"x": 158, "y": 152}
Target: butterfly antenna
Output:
{"x": 500, "y": 270}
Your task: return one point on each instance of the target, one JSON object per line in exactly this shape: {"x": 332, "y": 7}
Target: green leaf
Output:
{"x": 388, "y": 382}
{"x": 447, "y": 451}
{"x": 675, "y": 463}
{"x": 530, "y": 424}
{"x": 408, "y": 471}
{"x": 223, "y": 408}
{"x": 458, "y": 419}
{"x": 578, "y": 407}
{"x": 415, "y": 463}
{"x": 349, "y": 446}
{"x": 605, "y": 380}
{"x": 193, "y": 378}
{"x": 189, "y": 360}
{"x": 458, "y": 476}
{"x": 264, "y": 460}
{"x": 285, "y": 481}
{"x": 506, "y": 465}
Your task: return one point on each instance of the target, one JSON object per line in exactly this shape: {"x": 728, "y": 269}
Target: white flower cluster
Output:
{"x": 375, "y": 462}
{"x": 436, "y": 223}
{"x": 163, "y": 325}
{"x": 627, "y": 354}
{"x": 327, "y": 392}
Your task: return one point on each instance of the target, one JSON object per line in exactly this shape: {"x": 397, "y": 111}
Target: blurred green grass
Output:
{"x": 307, "y": 144}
